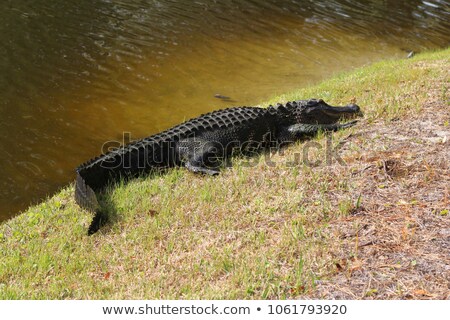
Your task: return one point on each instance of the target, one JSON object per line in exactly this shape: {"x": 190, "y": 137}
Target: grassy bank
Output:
{"x": 376, "y": 227}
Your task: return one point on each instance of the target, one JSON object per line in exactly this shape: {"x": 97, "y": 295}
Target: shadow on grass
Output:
{"x": 107, "y": 214}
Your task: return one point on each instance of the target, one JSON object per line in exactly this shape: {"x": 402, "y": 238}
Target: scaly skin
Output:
{"x": 202, "y": 144}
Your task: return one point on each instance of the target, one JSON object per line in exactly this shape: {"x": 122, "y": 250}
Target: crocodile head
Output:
{"x": 319, "y": 112}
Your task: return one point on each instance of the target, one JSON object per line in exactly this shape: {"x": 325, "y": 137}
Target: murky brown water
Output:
{"x": 74, "y": 74}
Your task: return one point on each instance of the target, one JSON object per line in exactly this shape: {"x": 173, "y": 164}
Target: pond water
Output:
{"x": 74, "y": 74}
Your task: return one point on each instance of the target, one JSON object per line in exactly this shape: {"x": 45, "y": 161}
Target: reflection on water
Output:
{"x": 74, "y": 74}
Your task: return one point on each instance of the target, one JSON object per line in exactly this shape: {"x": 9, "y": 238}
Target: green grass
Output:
{"x": 251, "y": 233}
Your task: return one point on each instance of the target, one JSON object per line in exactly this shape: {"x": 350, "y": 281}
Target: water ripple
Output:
{"x": 74, "y": 74}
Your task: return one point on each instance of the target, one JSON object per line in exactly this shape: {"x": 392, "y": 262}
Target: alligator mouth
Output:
{"x": 348, "y": 112}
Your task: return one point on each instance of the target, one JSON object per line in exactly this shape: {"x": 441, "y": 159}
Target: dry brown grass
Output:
{"x": 396, "y": 244}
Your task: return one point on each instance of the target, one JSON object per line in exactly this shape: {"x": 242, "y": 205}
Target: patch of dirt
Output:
{"x": 395, "y": 244}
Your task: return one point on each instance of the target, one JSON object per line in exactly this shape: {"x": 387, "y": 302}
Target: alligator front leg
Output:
{"x": 205, "y": 161}
{"x": 301, "y": 129}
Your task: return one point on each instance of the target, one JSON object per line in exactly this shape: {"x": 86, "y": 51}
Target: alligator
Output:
{"x": 203, "y": 144}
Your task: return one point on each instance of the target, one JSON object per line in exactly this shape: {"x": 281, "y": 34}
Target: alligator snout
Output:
{"x": 356, "y": 110}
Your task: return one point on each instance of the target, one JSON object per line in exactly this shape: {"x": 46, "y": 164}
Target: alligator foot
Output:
{"x": 346, "y": 125}
{"x": 198, "y": 169}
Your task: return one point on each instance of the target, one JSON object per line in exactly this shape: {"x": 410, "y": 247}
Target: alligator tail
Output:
{"x": 84, "y": 195}
{"x": 87, "y": 199}
{"x": 100, "y": 218}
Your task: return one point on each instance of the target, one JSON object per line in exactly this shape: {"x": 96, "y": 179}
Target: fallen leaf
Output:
{"x": 152, "y": 213}
{"x": 356, "y": 265}
{"x": 421, "y": 292}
